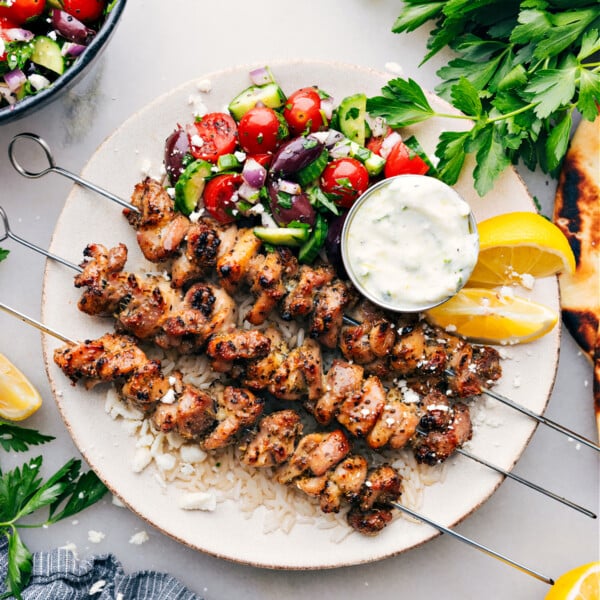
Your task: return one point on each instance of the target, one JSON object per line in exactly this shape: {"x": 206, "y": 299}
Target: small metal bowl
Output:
{"x": 71, "y": 76}
{"x": 397, "y": 304}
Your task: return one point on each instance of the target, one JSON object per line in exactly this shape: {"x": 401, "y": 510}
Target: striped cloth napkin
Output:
{"x": 58, "y": 575}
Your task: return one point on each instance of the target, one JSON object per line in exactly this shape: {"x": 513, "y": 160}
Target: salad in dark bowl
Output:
{"x": 46, "y": 46}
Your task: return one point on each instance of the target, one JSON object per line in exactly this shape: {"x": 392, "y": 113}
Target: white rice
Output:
{"x": 209, "y": 479}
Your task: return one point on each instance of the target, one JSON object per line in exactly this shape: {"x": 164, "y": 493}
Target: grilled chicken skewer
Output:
{"x": 279, "y": 449}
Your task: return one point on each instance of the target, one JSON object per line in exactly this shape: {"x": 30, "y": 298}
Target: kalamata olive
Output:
{"x": 333, "y": 245}
{"x": 71, "y": 28}
{"x": 287, "y": 208}
{"x": 177, "y": 146}
{"x": 295, "y": 155}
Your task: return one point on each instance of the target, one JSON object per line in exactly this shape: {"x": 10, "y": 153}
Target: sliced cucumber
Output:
{"x": 190, "y": 185}
{"x": 228, "y": 162}
{"x": 283, "y": 236}
{"x": 310, "y": 250}
{"x": 46, "y": 52}
{"x": 270, "y": 95}
{"x": 373, "y": 162}
{"x": 352, "y": 115}
{"x": 312, "y": 170}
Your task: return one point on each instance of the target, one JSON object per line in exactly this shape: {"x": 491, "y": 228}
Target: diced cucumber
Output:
{"x": 312, "y": 170}
{"x": 310, "y": 250}
{"x": 190, "y": 185}
{"x": 351, "y": 115}
{"x": 46, "y": 52}
{"x": 228, "y": 162}
{"x": 283, "y": 236}
{"x": 270, "y": 95}
{"x": 373, "y": 162}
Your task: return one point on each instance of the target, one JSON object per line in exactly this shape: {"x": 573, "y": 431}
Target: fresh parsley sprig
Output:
{"x": 3, "y": 253}
{"x": 24, "y": 492}
{"x": 522, "y": 69}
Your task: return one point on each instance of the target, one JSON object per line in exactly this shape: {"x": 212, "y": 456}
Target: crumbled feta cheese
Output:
{"x": 145, "y": 167}
{"x": 139, "y": 538}
{"x": 171, "y": 192}
{"x": 394, "y": 67}
{"x": 198, "y": 501}
{"x": 39, "y": 82}
{"x": 195, "y": 216}
{"x": 52, "y": 35}
{"x": 169, "y": 397}
{"x": 241, "y": 156}
{"x": 95, "y": 536}
{"x": 527, "y": 281}
{"x": 410, "y": 396}
{"x": 517, "y": 381}
{"x": 97, "y": 587}
{"x": 197, "y": 141}
{"x": 204, "y": 85}
{"x": 117, "y": 502}
{"x": 141, "y": 460}
{"x": 172, "y": 380}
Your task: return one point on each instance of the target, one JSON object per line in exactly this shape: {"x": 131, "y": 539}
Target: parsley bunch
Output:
{"x": 523, "y": 68}
{"x": 23, "y": 492}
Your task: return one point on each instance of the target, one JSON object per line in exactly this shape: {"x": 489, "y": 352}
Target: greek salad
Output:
{"x": 290, "y": 165}
{"x": 40, "y": 39}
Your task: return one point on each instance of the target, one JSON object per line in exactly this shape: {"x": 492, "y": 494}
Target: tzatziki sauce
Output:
{"x": 409, "y": 243}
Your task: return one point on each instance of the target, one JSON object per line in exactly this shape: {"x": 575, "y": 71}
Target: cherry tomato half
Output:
{"x": 5, "y": 24}
{"x": 402, "y": 160}
{"x": 344, "y": 179}
{"x": 214, "y": 135}
{"x": 85, "y": 10}
{"x": 260, "y": 130}
{"x": 303, "y": 111}
{"x": 219, "y": 198}
{"x": 23, "y": 10}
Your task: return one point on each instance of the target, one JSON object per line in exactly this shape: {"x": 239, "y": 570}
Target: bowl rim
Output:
{"x": 352, "y": 215}
{"x": 20, "y": 108}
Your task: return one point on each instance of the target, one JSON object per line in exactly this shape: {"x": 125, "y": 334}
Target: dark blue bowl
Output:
{"x": 71, "y": 76}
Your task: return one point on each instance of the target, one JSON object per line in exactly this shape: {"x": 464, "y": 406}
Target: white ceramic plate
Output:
{"x": 117, "y": 165}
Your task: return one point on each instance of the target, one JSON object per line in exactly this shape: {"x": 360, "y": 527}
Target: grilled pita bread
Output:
{"x": 577, "y": 213}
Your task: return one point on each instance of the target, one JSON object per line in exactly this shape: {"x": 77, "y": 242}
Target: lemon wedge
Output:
{"x": 489, "y": 317}
{"x": 18, "y": 398}
{"x": 517, "y": 245}
{"x": 582, "y": 583}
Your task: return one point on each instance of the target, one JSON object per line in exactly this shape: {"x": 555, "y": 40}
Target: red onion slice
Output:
{"x": 253, "y": 173}
{"x": 248, "y": 192}
{"x": 261, "y": 76}
{"x": 17, "y": 34}
{"x": 389, "y": 142}
{"x": 327, "y": 105}
{"x": 15, "y": 79}
{"x": 290, "y": 187}
{"x": 72, "y": 49}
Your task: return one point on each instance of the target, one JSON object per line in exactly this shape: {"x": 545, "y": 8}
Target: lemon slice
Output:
{"x": 582, "y": 583}
{"x": 18, "y": 398}
{"x": 487, "y": 316}
{"x": 517, "y": 245}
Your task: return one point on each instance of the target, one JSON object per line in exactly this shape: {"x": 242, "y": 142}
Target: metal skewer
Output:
{"x": 53, "y": 168}
{"x": 470, "y": 542}
{"x": 482, "y": 461}
{"x": 401, "y": 507}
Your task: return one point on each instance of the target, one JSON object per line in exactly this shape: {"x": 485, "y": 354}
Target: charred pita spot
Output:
{"x": 583, "y": 326}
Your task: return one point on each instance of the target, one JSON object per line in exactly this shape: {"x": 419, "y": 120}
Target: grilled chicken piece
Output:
{"x": 419, "y": 350}
{"x": 438, "y": 445}
{"x": 302, "y": 290}
{"x": 300, "y": 374}
{"x": 342, "y": 380}
{"x": 258, "y": 374}
{"x": 396, "y": 424}
{"x": 344, "y": 483}
{"x": 315, "y": 455}
{"x": 108, "y": 358}
{"x": 102, "y": 277}
{"x": 360, "y": 411}
{"x": 234, "y": 264}
{"x": 328, "y": 312}
{"x": 275, "y": 441}
{"x": 437, "y": 411}
{"x": 381, "y": 487}
{"x": 191, "y": 415}
{"x": 236, "y": 408}
{"x": 241, "y": 344}
{"x": 266, "y": 276}
{"x": 199, "y": 253}
{"x": 373, "y": 338}
{"x": 160, "y": 230}
{"x": 146, "y": 387}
